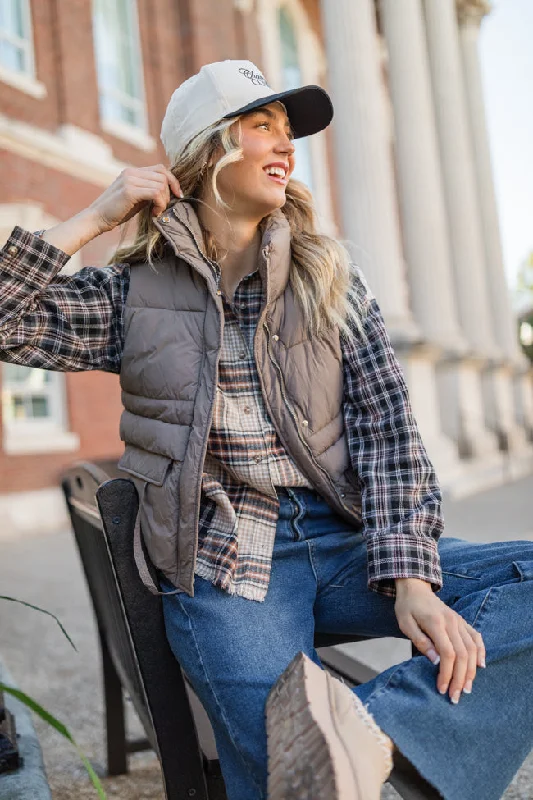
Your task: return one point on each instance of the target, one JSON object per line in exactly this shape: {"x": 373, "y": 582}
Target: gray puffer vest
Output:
{"x": 174, "y": 323}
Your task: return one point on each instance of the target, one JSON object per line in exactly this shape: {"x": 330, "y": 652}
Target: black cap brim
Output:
{"x": 309, "y": 109}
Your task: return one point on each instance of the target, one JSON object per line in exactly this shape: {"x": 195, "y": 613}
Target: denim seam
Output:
{"x": 461, "y": 575}
{"x": 219, "y": 704}
{"x": 482, "y": 606}
{"x": 310, "y": 548}
{"x": 382, "y": 689}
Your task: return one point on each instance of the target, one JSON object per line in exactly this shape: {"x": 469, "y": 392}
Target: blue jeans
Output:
{"x": 233, "y": 650}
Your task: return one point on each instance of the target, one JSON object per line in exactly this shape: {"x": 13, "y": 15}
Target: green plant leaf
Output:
{"x": 43, "y": 611}
{"x": 60, "y": 728}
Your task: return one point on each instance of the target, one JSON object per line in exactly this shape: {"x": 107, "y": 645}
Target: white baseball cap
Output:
{"x": 225, "y": 89}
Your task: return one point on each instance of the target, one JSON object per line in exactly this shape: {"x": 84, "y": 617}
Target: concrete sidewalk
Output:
{"x": 45, "y": 570}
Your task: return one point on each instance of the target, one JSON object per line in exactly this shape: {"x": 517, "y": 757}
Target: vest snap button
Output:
{"x": 305, "y": 422}
{"x": 165, "y": 219}
{"x": 219, "y": 292}
{"x": 342, "y": 494}
{"x": 275, "y": 337}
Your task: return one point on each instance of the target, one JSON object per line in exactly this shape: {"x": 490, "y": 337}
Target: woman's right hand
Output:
{"x": 131, "y": 191}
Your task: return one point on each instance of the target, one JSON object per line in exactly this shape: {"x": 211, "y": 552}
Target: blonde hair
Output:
{"x": 322, "y": 277}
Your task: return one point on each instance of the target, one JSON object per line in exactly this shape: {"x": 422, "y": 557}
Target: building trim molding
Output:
{"x": 130, "y": 134}
{"x": 39, "y": 441}
{"x": 472, "y": 11}
{"x": 70, "y": 150}
{"x": 23, "y": 82}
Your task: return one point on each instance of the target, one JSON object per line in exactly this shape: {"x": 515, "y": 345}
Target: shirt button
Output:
{"x": 243, "y": 305}
{"x": 342, "y": 494}
{"x": 275, "y": 337}
{"x": 12, "y": 250}
{"x": 305, "y": 422}
{"x": 242, "y": 354}
{"x": 247, "y": 409}
{"x": 257, "y": 459}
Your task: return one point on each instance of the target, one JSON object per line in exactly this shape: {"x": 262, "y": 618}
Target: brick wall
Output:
{"x": 65, "y": 64}
{"x": 177, "y": 37}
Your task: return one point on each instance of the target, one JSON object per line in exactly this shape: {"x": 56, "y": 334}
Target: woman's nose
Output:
{"x": 286, "y": 145}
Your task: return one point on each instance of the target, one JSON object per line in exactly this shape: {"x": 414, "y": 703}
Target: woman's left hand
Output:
{"x": 441, "y": 634}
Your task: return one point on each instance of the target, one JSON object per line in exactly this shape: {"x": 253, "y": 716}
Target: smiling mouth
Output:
{"x": 282, "y": 180}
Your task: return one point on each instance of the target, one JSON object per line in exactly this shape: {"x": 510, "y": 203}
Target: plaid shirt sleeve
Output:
{"x": 65, "y": 323}
{"x": 400, "y": 492}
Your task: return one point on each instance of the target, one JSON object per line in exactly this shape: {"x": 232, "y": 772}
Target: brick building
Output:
{"x": 83, "y": 88}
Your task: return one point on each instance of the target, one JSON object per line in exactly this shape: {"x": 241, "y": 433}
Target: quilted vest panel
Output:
{"x": 173, "y": 333}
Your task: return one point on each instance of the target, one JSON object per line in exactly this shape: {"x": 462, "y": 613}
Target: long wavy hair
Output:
{"x": 321, "y": 275}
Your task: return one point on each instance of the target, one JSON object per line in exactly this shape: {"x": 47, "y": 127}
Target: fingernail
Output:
{"x": 443, "y": 689}
{"x": 433, "y": 656}
{"x": 455, "y": 697}
{"x": 467, "y": 689}
{"x": 482, "y": 664}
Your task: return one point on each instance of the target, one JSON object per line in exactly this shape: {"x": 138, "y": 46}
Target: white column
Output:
{"x": 419, "y": 180}
{"x": 425, "y": 226}
{"x": 364, "y": 166}
{"x": 457, "y": 163}
{"x": 506, "y": 382}
{"x": 470, "y": 14}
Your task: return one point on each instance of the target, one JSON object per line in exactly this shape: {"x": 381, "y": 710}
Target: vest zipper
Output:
{"x": 207, "y": 260}
{"x": 211, "y": 408}
{"x": 281, "y": 382}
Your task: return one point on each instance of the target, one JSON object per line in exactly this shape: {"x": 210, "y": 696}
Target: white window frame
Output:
{"x": 313, "y": 66}
{"x": 38, "y": 435}
{"x": 24, "y": 79}
{"x": 135, "y": 133}
{"x": 303, "y": 150}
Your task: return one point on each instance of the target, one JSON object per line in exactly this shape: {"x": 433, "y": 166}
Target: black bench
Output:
{"x": 136, "y": 656}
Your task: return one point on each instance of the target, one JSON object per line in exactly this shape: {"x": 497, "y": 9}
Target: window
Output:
{"x": 292, "y": 55}
{"x": 34, "y": 412}
{"x": 119, "y": 62}
{"x": 30, "y": 395}
{"x": 291, "y": 79}
{"x": 16, "y": 51}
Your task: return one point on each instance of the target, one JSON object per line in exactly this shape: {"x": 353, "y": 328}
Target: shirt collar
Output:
{"x": 180, "y": 225}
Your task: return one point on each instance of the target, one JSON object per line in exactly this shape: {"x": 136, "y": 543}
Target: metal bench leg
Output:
{"x": 117, "y": 759}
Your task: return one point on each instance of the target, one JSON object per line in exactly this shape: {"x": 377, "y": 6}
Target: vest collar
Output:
{"x": 180, "y": 226}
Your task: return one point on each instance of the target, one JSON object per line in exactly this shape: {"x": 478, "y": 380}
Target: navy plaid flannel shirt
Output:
{"x": 75, "y": 322}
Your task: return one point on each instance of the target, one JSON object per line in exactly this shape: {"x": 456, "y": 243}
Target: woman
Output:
{"x": 283, "y": 484}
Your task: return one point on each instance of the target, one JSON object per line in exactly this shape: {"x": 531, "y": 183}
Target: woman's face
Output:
{"x": 256, "y": 185}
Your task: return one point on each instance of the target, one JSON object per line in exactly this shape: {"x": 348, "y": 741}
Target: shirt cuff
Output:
{"x": 30, "y": 259}
{"x": 391, "y": 557}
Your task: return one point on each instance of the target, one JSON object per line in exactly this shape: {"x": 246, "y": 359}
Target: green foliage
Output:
{"x": 42, "y": 712}
{"x": 59, "y": 727}
{"x": 43, "y": 611}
